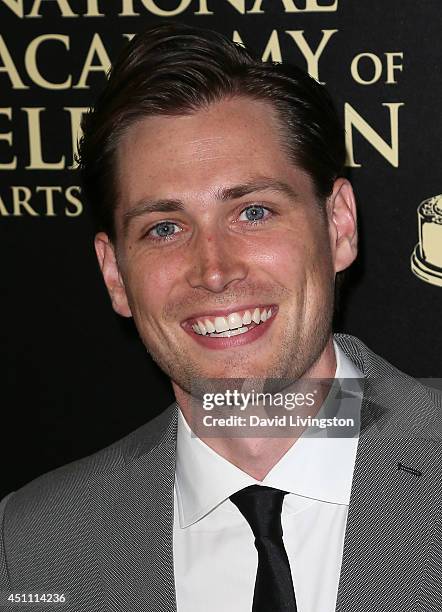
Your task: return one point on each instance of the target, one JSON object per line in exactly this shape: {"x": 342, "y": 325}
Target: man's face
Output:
{"x": 215, "y": 228}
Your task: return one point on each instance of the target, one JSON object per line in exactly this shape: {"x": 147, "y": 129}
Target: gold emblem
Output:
{"x": 426, "y": 259}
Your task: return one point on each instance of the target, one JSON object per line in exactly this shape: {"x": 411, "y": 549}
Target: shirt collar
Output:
{"x": 317, "y": 468}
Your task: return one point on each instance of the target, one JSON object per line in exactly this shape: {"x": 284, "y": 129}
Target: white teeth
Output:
{"x": 202, "y": 328}
{"x": 256, "y": 316}
{"x": 209, "y": 326}
{"x": 221, "y": 324}
{"x": 230, "y": 332}
{"x": 234, "y": 320}
{"x": 247, "y": 318}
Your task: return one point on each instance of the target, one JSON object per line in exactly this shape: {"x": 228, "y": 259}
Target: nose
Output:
{"x": 216, "y": 262}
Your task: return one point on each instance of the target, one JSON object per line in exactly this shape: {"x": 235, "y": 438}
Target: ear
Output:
{"x": 341, "y": 209}
{"x": 112, "y": 277}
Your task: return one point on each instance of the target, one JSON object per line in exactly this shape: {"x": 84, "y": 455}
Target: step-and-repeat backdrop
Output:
{"x": 74, "y": 376}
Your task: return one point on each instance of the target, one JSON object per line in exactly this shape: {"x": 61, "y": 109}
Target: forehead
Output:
{"x": 194, "y": 155}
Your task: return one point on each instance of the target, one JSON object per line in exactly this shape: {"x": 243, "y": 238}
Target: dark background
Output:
{"x": 75, "y": 377}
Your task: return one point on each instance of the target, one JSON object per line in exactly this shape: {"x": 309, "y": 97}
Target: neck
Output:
{"x": 257, "y": 456}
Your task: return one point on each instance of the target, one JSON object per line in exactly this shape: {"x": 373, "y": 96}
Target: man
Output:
{"x": 223, "y": 220}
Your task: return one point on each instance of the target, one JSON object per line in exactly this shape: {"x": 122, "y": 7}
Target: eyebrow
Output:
{"x": 224, "y": 194}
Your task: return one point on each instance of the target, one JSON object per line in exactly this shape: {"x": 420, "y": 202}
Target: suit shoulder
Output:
{"x": 63, "y": 487}
{"x": 413, "y": 397}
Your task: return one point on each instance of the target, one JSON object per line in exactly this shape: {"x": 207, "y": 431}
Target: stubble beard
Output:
{"x": 295, "y": 356}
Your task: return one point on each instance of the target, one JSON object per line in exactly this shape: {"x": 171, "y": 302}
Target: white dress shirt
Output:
{"x": 215, "y": 559}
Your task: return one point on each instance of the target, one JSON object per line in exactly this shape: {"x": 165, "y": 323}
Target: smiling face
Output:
{"x": 216, "y": 228}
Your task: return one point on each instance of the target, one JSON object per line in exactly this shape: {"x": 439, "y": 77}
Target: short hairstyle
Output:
{"x": 174, "y": 69}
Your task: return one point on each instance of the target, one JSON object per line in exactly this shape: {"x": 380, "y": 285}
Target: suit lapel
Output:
{"x": 392, "y": 509}
{"x": 133, "y": 506}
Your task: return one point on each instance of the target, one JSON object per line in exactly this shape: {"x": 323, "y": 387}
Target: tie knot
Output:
{"x": 261, "y": 507}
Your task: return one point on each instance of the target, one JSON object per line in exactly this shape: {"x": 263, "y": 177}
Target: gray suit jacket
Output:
{"x": 100, "y": 529}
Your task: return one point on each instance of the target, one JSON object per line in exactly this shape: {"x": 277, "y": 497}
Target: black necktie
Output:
{"x": 261, "y": 507}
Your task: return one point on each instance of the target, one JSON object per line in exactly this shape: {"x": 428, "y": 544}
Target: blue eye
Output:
{"x": 255, "y": 213}
{"x": 163, "y": 230}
